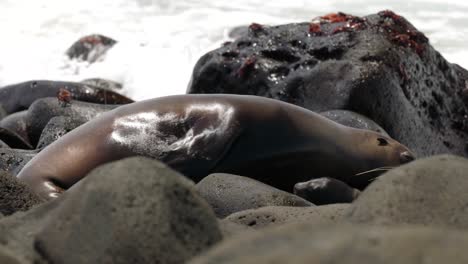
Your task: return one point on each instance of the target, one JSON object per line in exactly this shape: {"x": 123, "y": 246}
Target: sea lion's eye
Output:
{"x": 382, "y": 141}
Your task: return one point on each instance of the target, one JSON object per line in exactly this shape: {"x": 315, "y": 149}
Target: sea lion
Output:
{"x": 265, "y": 139}
{"x": 17, "y": 97}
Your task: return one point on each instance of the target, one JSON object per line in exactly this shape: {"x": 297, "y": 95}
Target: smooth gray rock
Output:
{"x": 228, "y": 193}
{"x": 431, "y": 191}
{"x": 135, "y": 210}
{"x": 342, "y": 244}
{"x": 280, "y": 215}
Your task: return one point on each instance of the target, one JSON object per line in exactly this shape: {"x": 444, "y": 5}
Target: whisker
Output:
{"x": 374, "y": 170}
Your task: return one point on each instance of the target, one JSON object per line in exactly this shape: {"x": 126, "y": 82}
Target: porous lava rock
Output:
{"x": 57, "y": 127}
{"x": 228, "y": 193}
{"x": 380, "y": 66}
{"x": 280, "y": 215}
{"x": 14, "y": 195}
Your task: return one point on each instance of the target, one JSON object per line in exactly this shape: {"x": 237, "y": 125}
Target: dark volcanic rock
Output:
{"x": 227, "y": 194}
{"x": 41, "y": 111}
{"x": 13, "y": 160}
{"x": 379, "y": 66}
{"x": 325, "y": 191}
{"x": 15, "y": 196}
{"x": 135, "y": 210}
{"x": 20, "y": 96}
{"x": 430, "y": 191}
{"x": 280, "y": 215}
{"x": 56, "y": 128}
{"x": 16, "y": 122}
{"x": 90, "y": 48}
{"x": 352, "y": 119}
{"x": 342, "y": 244}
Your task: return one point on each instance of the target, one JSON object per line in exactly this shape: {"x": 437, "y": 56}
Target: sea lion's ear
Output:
{"x": 382, "y": 141}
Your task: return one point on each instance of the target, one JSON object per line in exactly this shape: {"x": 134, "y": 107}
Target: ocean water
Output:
{"x": 159, "y": 41}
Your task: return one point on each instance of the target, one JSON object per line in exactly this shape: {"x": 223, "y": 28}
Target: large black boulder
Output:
{"x": 380, "y": 66}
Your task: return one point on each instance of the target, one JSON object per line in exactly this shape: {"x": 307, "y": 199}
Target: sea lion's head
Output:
{"x": 377, "y": 154}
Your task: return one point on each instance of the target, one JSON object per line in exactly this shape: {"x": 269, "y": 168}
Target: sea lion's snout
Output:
{"x": 406, "y": 157}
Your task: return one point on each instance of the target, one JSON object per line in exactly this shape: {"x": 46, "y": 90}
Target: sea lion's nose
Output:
{"x": 406, "y": 157}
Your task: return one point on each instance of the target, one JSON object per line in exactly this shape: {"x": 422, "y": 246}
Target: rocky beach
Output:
{"x": 376, "y": 72}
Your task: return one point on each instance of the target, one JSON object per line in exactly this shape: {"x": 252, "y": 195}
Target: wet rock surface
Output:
{"x": 18, "y": 97}
{"x": 379, "y": 66}
{"x": 228, "y": 193}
